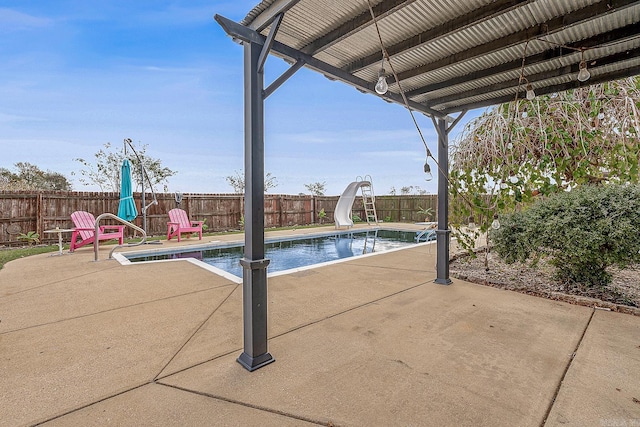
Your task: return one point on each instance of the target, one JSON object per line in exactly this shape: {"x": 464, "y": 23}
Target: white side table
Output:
{"x": 59, "y": 231}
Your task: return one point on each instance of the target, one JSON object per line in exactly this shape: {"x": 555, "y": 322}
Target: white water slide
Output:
{"x": 342, "y": 214}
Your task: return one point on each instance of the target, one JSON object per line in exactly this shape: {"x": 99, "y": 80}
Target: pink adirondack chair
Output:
{"x": 179, "y": 223}
{"x": 84, "y": 233}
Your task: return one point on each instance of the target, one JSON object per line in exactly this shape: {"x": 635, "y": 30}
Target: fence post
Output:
{"x": 39, "y": 215}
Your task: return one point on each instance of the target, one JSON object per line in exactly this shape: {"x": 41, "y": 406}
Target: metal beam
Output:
{"x": 283, "y": 78}
{"x": 473, "y": 18}
{"x": 456, "y": 121}
{"x": 254, "y": 265}
{"x": 354, "y": 25}
{"x": 266, "y": 17}
{"x": 266, "y": 48}
{"x": 615, "y": 36}
{"x": 573, "y": 84}
{"x": 547, "y": 28}
{"x": 247, "y": 35}
{"x": 533, "y": 78}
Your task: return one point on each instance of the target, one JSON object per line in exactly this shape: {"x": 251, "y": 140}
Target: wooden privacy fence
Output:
{"x": 24, "y": 211}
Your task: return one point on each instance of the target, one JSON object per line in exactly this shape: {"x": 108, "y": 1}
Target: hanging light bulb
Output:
{"x": 503, "y": 185}
{"x": 427, "y": 171}
{"x": 601, "y": 114}
{"x": 531, "y": 95}
{"x": 495, "y": 224}
{"x": 382, "y": 87}
{"x": 583, "y": 74}
{"x": 472, "y": 223}
{"x": 513, "y": 179}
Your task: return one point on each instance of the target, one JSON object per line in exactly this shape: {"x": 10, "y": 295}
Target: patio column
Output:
{"x": 443, "y": 233}
{"x": 254, "y": 273}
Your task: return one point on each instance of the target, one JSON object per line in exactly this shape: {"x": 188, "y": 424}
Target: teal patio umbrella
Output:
{"x": 127, "y": 208}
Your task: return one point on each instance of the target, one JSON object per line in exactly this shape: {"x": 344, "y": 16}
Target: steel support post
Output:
{"x": 443, "y": 233}
{"x": 254, "y": 274}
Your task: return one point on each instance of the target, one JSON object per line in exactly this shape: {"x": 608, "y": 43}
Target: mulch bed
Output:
{"x": 622, "y": 295}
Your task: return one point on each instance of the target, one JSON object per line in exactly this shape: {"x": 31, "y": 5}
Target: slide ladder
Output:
{"x": 368, "y": 199}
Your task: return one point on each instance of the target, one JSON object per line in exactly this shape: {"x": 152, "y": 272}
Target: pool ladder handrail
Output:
{"x": 366, "y": 241}
{"x": 117, "y": 218}
{"x": 420, "y": 234}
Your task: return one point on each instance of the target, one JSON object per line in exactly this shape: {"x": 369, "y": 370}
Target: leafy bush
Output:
{"x": 322, "y": 215}
{"x": 31, "y": 237}
{"x": 582, "y": 232}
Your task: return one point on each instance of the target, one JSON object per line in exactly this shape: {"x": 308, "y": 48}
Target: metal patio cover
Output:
{"x": 456, "y": 55}
{"x": 449, "y": 56}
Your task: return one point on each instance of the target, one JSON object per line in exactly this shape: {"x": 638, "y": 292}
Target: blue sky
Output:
{"x": 76, "y": 74}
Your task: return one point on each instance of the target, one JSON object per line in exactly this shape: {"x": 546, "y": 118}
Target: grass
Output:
{"x": 11, "y": 254}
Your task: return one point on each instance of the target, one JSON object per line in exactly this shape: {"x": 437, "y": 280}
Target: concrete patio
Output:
{"x": 370, "y": 341}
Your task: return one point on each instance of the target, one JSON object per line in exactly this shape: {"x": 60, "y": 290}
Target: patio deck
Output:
{"x": 370, "y": 341}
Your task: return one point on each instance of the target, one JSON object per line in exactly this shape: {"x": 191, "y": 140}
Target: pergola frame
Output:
{"x": 270, "y": 14}
{"x": 254, "y": 274}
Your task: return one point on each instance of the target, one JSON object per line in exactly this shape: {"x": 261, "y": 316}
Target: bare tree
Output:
{"x": 105, "y": 172}
{"x": 30, "y": 177}
{"x": 316, "y": 188}
{"x": 236, "y": 182}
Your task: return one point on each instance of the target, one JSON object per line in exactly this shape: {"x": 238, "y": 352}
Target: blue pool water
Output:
{"x": 300, "y": 252}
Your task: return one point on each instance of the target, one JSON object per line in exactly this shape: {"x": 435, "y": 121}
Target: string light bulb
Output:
{"x": 427, "y": 171}
{"x": 531, "y": 95}
{"x": 583, "y": 73}
{"x": 472, "y": 223}
{"x": 601, "y": 114}
{"x": 382, "y": 87}
{"x": 495, "y": 224}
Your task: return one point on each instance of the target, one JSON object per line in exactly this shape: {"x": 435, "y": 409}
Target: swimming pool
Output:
{"x": 291, "y": 253}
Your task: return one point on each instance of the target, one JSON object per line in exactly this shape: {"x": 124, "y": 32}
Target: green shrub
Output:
{"x": 322, "y": 215}
{"x": 581, "y": 232}
{"x": 31, "y": 237}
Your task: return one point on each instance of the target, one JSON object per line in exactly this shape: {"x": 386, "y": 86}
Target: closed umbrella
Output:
{"x": 127, "y": 208}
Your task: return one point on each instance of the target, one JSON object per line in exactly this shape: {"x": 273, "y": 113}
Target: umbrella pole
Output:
{"x": 144, "y": 204}
{"x": 143, "y": 174}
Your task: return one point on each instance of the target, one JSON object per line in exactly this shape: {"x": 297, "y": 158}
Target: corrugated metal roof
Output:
{"x": 451, "y": 55}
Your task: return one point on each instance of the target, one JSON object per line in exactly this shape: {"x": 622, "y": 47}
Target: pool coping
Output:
{"x": 124, "y": 260}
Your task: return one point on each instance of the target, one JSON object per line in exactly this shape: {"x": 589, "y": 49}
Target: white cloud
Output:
{"x": 14, "y": 118}
{"x": 12, "y": 20}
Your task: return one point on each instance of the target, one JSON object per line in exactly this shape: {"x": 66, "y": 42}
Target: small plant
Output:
{"x": 387, "y": 218}
{"x": 241, "y": 223}
{"x": 31, "y": 237}
{"x": 356, "y": 218}
{"x": 322, "y": 215}
{"x": 425, "y": 212}
{"x": 205, "y": 227}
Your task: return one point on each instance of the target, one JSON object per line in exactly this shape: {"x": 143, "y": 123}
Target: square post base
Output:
{"x": 253, "y": 363}
{"x": 442, "y": 263}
